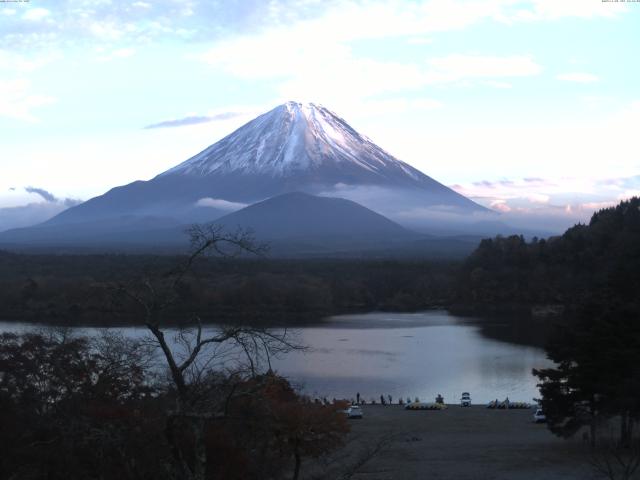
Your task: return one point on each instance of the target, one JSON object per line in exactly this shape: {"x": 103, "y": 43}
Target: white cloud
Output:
{"x": 459, "y": 67}
{"x": 16, "y": 101}
{"x": 562, "y": 200}
{"x": 16, "y": 62}
{"x": 578, "y": 77}
{"x": 500, "y": 206}
{"x": 497, "y": 84}
{"x": 419, "y": 41}
{"x": 627, "y": 194}
{"x": 219, "y": 203}
{"x": 314, "y": 60}
{"x": 538, "y": 198}
{"x": 124, "y": 52}
{"x": 36, "y": 14}
{"x": 23, "y": 207}
{"x": 310, "y": 69}
{"x": 393, "y": 106}
{"x": 593, "y": 206}
{"x": 106, "y": 30}
{"x": 336, "y": 21}
{"x": 555, "y": 147}
{"x": 557, "y": 9}
{"x": 114, "y": 54}
{"x": 27, "y": 215}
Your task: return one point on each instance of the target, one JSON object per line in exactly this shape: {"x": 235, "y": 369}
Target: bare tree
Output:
{"x": 189, "y": 357}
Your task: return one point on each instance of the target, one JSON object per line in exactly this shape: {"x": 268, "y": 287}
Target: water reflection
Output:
{"x": 419, "y": 354}
{"x": 412, "y": 355}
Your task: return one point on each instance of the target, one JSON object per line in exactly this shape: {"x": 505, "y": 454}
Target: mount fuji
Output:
{"x": 294, "y": 148}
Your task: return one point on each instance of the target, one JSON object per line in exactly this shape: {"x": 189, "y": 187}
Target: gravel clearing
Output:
{"x": 465, "y": 443}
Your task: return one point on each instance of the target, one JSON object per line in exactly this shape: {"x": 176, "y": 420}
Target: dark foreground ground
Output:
{"x": 464, "y": 443}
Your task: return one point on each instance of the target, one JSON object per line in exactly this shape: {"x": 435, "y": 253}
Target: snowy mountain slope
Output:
{"x": 293, "y": 138}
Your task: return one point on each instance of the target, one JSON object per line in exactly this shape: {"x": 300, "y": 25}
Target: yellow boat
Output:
{"x": 425, "y": 406}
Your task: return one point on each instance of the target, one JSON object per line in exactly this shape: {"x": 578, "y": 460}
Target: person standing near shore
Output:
{"x": 358, "y": 398}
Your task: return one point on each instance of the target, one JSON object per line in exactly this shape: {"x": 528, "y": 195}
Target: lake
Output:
{"x": 412, "y": 354}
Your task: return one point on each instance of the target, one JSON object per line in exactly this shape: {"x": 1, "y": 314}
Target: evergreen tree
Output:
{"x": 597, "y": 353}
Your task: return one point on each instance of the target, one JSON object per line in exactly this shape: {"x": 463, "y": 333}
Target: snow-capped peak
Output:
{"x": 291, "y": 138}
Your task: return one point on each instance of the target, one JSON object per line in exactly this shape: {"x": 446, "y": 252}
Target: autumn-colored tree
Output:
{"x": 71, "y": 407}
{"x": 269, "y": 430}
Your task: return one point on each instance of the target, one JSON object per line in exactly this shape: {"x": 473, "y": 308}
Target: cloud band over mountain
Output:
{"x": 193, "y": 120}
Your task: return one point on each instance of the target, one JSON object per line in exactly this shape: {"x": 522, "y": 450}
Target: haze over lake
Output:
{"x": 409, "y": 354}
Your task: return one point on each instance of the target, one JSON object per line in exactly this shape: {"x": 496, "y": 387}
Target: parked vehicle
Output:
{"x": 354, "y": 411}
{"x": 539, "y": 416}
{"x": 465, "y": 399}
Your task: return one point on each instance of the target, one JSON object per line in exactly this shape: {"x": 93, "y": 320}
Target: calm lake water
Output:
{"x": 418, "y": 354}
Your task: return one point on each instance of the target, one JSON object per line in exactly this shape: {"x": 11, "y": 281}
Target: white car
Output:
{"x": 354, "y": 411}
{"x": 539, "y": 416}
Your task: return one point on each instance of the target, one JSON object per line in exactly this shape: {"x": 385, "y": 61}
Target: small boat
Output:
{"x": 425, "y": 406}
{"x": 508, "y": 405}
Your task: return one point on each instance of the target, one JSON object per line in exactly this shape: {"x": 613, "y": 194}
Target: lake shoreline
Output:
{"x": 398, "y": 354}
{"x": 523, "y": 328}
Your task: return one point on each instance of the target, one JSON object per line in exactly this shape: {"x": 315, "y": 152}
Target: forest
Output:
{"x": 601, "y": 258}
{"x": 78, "y": 290}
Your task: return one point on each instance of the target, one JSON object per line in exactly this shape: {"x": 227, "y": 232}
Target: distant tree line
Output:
{"x": 75, "y": 289}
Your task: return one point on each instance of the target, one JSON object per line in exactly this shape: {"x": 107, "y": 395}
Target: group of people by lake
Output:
{"x": 388, "y": 400}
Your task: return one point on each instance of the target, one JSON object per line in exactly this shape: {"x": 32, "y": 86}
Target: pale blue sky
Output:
{"x": 531, "y": 107}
